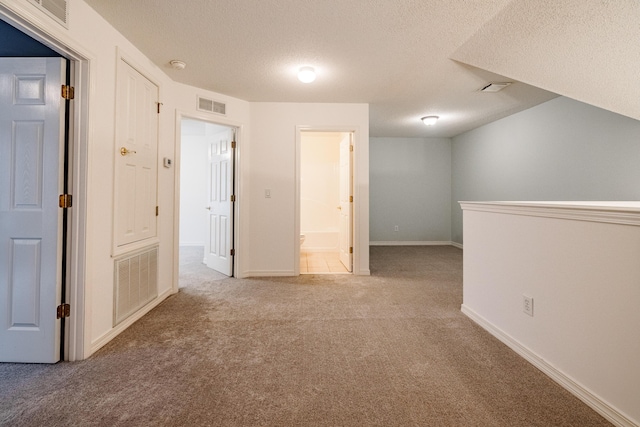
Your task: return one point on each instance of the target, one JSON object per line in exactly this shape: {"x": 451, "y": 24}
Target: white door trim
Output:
{"x": 355, "y": 130}
{"x": 24, "y": 17}
{"x": 346, "y": 203}
{"x": 221, "y": 121}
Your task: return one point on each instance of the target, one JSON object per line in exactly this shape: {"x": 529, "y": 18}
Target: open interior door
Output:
{"x": 346, "y": 202}
{"x": 31, "y": 152}
{"x": 219, "y": 242}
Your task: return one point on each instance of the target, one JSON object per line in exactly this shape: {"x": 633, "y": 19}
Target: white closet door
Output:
{"x": 219, "y": 207}
{"x": 136, "y": 156}
{"x": 31, "y": 155}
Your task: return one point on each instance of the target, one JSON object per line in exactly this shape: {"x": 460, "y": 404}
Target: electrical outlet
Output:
{"x": 527, "y": 305}
{"x": 395, "y": 228}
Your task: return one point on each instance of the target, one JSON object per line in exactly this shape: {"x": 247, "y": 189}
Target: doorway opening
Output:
{"x": 326, "y": 202}
{"x": 207, "y": 197}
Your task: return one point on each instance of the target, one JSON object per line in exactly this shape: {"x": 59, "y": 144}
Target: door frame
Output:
{"x": 24, "y": 18}
{"x": 237, "y": 190}
{"x": 354, "y": 212}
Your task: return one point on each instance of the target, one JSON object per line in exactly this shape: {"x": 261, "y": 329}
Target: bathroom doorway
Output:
{"x": 326, "y": 202}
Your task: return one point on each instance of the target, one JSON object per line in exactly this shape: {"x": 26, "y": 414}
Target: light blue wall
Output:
{"x": 410, "y": 186}
{"x": 559, "y": 150}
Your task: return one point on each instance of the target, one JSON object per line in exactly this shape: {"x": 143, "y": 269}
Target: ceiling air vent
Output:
{"x": 57, "y": 9}
{"x": 495, "y": 87}
{"x": 211, "y": 106}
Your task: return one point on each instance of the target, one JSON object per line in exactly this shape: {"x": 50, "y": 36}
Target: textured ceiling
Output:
{"x": 588, "y": 50}
{"x": 394, "y": 55}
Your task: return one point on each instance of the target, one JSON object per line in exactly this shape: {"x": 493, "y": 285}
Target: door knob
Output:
{"x": 124, "y": 151}
{"x": 208, "y": 208}
{"x": 339, "y": 207}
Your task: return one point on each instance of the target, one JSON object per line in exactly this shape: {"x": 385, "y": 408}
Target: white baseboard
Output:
{"x": 267, "y": 273}
{"x": 588, "y": 397}
{"x": 457, "y": 245}
{"x": 114, "y": 332}
{"x": 285, "y": 273}
{"x": 409, "y": 243}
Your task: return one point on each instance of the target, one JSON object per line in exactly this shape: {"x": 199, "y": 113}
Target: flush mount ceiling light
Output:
{"x": 306, "y": 74}
{"x": 177, "y": 65}
{"x": 429, "y": 120}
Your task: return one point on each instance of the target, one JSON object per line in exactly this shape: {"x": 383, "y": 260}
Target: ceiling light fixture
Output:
{"x": 306, "y": 74}
{"x": 429, "y": 120}
{"x": 177, "y": 65}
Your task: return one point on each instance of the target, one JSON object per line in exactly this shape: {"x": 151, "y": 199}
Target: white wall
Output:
{"x": 580, "y": 266}
{"x": 275, "y": 240}
{"x": 559, "y": 150}
{"x": 319, "y": 182}
{"x": 410, "y": 188}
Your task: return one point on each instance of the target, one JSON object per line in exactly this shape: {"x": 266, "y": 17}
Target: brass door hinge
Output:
{"x": 351, "y": 250}
{"x": 64, "y": 201}
{"x": 233, "y": 252}
{"x": 159, "y": 104}
{"x": 351, "y": 148}
{"x": 233, "y": 197}
{"x": 351, "y": 199}
{"x": 67, "y": 92}
{"x": 233, "y": 144}
{"x": 63, "y": 310}
{"x": 157, "y": 210}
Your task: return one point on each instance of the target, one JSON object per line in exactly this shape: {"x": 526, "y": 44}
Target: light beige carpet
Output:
{"x": 392, "y": 349}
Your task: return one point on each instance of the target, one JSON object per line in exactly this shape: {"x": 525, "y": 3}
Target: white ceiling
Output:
{"x": 394, "y": 55}
{"x": 588, "y": 50}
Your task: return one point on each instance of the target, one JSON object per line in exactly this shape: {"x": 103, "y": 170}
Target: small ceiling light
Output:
{"x": 429, "y": 120}
{"x": 306, "y": 74}
{"x": 177, "y": 65}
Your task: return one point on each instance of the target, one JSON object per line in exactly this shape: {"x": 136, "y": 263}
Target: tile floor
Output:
{"x": 321, "y": 262}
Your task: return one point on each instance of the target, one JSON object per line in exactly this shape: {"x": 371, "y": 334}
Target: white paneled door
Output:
{"x": 136, "y": 156}
{"x": 219, "y": 209}
{"x": 31, "y": 150}
{"x": 346, "y": 202}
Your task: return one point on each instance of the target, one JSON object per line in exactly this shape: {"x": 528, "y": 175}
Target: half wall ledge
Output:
{"x": 559, "y": 282}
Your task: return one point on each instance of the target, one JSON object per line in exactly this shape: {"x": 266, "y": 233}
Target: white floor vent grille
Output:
{"x": 136, "y": 283}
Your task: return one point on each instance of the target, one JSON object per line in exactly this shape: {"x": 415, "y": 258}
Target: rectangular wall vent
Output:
{"x": 494, "y": 87}
{"x": 211, "y": 106}
{"x": 57, "y": 9}
{"x": 136, "y": 283}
